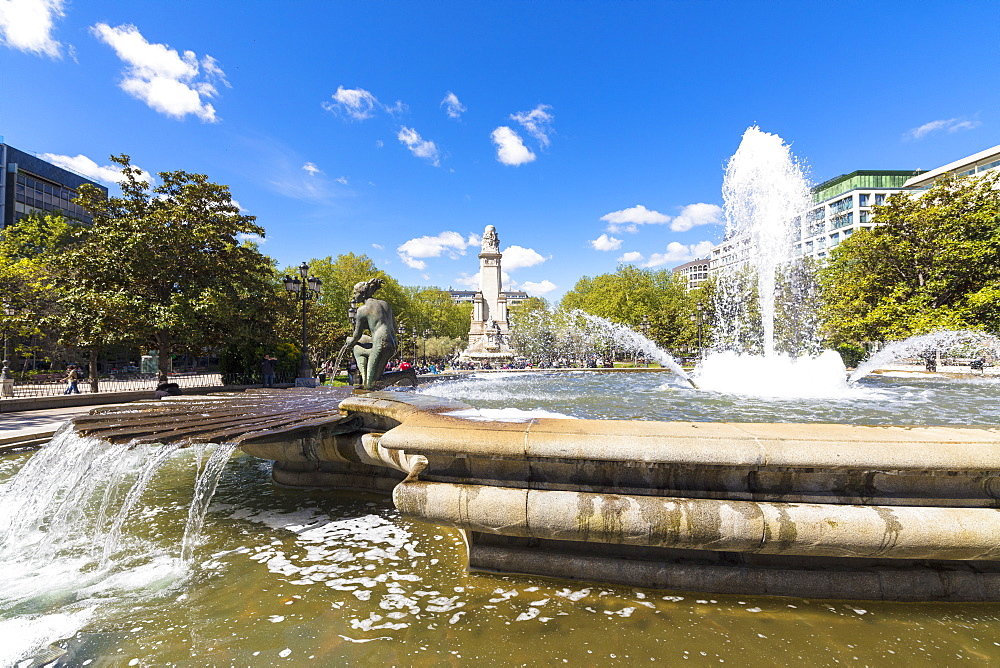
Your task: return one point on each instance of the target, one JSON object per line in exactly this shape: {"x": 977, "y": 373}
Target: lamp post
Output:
{"x": 401, "y": 330}
{"x": 644, "y": 326}
{"x": 6, "y": 381}
{"x": 701, "y": 348}
{"x": 413, "y": 333}
{"x": 304, "y": 290}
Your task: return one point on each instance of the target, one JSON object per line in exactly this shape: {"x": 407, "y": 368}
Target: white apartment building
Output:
{"x": 976, "y": 164}
{"x": 842, "y": 206}
{"x": 694, "y": 272}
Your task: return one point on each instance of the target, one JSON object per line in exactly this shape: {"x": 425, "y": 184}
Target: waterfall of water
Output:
{"x": 203, "y": 491}
{"x": 62, "y": 541}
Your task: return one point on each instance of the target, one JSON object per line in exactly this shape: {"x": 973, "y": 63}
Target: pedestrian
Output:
{"x": 72, "y": 378}
{"x": 267, "y": 367}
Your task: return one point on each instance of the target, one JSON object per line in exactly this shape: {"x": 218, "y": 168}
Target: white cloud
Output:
{"x": 256, "y": 238}
{"x": 949, "y": 125}
{"x": 694, "y": 215}
{"x": 678, "y": 253}
{"x": 342, "y": 180}
{"x": 627, "y": 220}
{"x": 470, "y": 281}
{"x": 418, "y": 146}
{"x": 448, "y": 242}
{"x": 538, "y": 289}
{"x": 378, "y": 246}
{"x": 536, "y": 123}
{"x": 631, "y": 256}
{"x": 452, "y": 106}
{"x": 312, "y": 168}
{"x": 81, "y": 164}
{"x": 26, "y": 25}
{"x": 168, "y": 82}
{"x": 356, "y": 103}
{"x": 510, "y": 148}
{"x": 516, "y": 257}
{"x": 606, "y": 243}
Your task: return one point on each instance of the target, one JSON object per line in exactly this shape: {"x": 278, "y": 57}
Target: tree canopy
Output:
{"x": 631, "y": 294}
{"x": 932, "y": 263}
{"x": 164, "y": 264}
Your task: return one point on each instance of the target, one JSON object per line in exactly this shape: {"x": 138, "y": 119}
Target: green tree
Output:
{"x": 432, "y": 308}
{"x": 932, "y": 263}
{"x": 170, "y": 262}
{"x": 329, "y": 326}
{"x": 31, "y": 263}
{"x": 631, "y": 294}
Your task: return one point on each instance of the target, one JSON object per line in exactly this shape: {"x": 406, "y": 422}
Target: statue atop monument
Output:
{"x": 491, "y": 242}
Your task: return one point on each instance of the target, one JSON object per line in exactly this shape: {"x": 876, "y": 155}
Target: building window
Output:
{"x": 842, "y": 221}
{"x": 842, "y": 205}
{"x": 879, "y": 199}
{"x": 989, "y": 165}
{"x": 809, "y": 247}
{"x": 834, "y": 239}
{"x": 863, "y": 199}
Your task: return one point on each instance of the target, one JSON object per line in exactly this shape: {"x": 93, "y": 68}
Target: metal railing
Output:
{"x": 129, "y": 382}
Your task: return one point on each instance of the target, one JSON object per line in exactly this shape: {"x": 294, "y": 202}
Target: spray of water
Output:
{"x": 969, "y": 342}
{"x": 630, "y": 340}
{"x": 764, "y": 191}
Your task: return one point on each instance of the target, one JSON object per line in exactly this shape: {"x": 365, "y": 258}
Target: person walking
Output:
{"x": 72, "y": 379}
{"x": 267, "y": 367}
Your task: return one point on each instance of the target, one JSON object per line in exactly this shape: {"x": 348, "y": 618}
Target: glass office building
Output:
{"x": 29, "y": 184}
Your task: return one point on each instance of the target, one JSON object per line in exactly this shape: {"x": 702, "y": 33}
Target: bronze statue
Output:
{"x": 372, "y": 352}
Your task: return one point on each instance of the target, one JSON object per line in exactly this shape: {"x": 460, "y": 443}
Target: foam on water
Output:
{"x": 21, "y": 638}
{"x": 820, "y": 377}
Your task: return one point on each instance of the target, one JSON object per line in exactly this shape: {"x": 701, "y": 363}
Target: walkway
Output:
{"x": 25, "y": 428}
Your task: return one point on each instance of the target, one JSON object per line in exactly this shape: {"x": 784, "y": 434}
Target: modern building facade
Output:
{"x": 842, "y": 206}
{"x": 29, "y": 184}
{"x": 973, "y": 165}
{"x": 694, "y": 273}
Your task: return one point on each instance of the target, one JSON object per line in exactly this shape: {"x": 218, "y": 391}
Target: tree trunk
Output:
{"x": 164, "y": 345}
{"x": 92, "y": 359}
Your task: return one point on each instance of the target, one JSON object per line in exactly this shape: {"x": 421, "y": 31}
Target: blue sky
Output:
{"x": 584, "y": 131}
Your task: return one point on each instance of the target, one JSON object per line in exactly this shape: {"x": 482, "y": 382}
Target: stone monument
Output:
{"x": 489, "y": 332}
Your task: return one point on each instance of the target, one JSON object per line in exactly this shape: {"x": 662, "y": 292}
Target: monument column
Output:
{"x": 489, "y": 329}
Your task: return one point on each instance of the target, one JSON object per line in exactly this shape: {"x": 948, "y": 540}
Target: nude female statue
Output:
{"x": 372, "y": 352}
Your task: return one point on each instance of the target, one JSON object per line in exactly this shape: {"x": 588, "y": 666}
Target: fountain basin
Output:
{"x": 813, "y": 510}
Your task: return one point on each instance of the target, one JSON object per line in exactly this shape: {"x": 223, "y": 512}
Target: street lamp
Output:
{"x": 701, "y": 349}
{"x": 8, "y": 312}
{"x": 304, "y": 290}
{"x": 413, "y": 333}
{"x": 644, "y": 326}
{"x": 401, "y": 330}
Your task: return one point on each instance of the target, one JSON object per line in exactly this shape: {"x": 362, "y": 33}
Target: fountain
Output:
{"x": 656, "y": 489}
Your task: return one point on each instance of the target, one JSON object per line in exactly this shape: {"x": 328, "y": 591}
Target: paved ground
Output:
{"x": 24, "y": 426}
